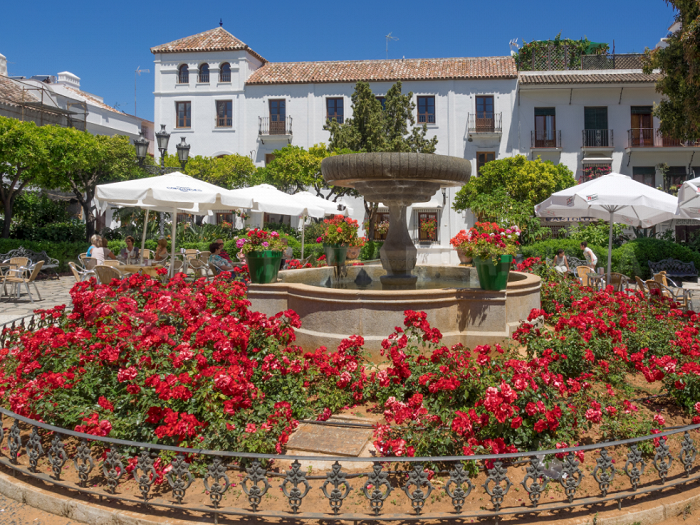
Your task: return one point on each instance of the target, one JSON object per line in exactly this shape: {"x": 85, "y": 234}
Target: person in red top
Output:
{"x": 223, "y": 253}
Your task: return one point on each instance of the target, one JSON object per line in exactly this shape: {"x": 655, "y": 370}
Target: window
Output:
{"x": 334, "y": 109}
{"x": 482, "y": 158}
{"x": 185, "y": 217}
{"x": 224, "y": 217}
{"x": 278, "y": 113}
{"x": 225, "y": 72}
{"x": 184, "y": 114}
{"x": 595, "y": 125}
{"x": 686, "y": 233}
{"x": 269, "y": 157}
{"x": 203, "y": 74}
{"x": 426, "y": 110}
{"x": 484, "y": 114}
{"x": 545, "y": 128}
{"x": 183, "y": 74}
{"x": 427, "y": 227}
{"x": 642, "y": 132}
{"x": 224, "y": 113}
{"x": 644, "y": 174}
{"x": 381, "y": 226}
{"x": 382, "y": 101}
{"x": 675, "y": 176}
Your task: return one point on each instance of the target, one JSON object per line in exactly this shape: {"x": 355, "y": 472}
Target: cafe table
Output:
{"x": 134, "y": 268}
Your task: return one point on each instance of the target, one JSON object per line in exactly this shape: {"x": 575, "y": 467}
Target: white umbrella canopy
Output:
{"x": 689, "y": 199}
{"x": 614, "y": 198}
{"x": 328, "y": 207}
{"x": 271, "y": 200}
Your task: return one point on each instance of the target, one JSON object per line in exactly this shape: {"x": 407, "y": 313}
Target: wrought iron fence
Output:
{"x": 617, "y": 61}
{"x": 275, "y": 126}
{"x": 99, "y": 469}
{"x": 597, "y": 138}
{"x": 484, "y": 123}
{"x": 653, "y": 138}
{"x": 545, "y": 138}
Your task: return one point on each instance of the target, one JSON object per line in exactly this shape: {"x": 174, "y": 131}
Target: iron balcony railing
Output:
{"x": 597, "y": 138}
{"x": 620, "y": 472}
{"x": 561, "y": 58}
{"x": 203, "y": 78}
{"x": 484, "y": 123}
{"x": 225, "y": 76}
{"x": 223, "y": 122}
{"x": 652, "y": 138}
{"x": 183, "y": 78}
{"x": 426, "y": 118}
{"x": 545, "y": 138}
{"x": 275, "y": 126}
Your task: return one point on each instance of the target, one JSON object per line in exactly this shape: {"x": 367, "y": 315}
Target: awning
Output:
{"x": 597, "y": 160}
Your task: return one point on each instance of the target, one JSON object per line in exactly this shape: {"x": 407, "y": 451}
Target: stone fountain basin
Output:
{"x": 464, "y": 313}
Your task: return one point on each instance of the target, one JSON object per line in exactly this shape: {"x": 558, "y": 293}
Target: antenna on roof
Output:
{"x": 513, "y": 46}
{"x": 389, "y": 37}
{"x": 138, "y": 72}
{"x": 221, "y": 22}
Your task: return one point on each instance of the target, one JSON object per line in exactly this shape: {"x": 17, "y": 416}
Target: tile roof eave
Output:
{"x": 385, "y": 79}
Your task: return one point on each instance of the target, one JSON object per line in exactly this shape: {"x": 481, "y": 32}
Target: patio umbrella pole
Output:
{"x": 143, "y": 237}
{"x": 173, "y": 231}
{"x": 610, "y": 236}
{"x": 303, "y": 224}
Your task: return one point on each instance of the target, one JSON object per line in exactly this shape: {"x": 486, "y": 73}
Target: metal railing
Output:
{"x": 597, "y": 138}
{"x": 620, "y": 474}
{"x": 561, "y": 58}
{"x": 223, "y": 122}
{"x": 426, "y": 118}
{"x": 545, "y": 139}
{"x": 484, "y": 123}
{"x": 652, "y": 138}
{"x": 203, "y": 78}
{"x": 275, "y": 126}
{"x": 225, "y": 76}
{"x": 617, "y": 61}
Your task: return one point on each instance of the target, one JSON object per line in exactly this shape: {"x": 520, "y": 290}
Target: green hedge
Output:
{"x": 370, "y": 250}
{"x": 548, "y": 249}
{"x": 65, "y": 252}
{"x": 56, "y": 232}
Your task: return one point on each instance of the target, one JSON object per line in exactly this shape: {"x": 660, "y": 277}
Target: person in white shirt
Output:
{"x": 591, "y": 259}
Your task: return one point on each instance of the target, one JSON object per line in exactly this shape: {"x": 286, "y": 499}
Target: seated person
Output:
{"x": 93, "y": 241}
{"x": 161, "y": 250}
{"x": 101, "y": 252}
{"x": 561, "y": 263}
{"x": 217, "y": 260}
{"x": 223, "y": 252}
{"x": 131, "y": 252}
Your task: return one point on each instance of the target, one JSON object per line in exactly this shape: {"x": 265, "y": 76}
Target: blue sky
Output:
{"x": 104, "y": 42}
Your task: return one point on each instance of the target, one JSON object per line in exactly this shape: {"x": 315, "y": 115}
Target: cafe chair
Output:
{"x": 18, "y": 277}
{"x": 105, "y": 274}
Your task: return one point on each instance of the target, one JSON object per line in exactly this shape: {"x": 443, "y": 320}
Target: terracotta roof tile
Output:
{"x": 91, "y": 99}
{"x": 587, "y": 78}
{"x": 217, "y": 39}
{"x": 11, "y": 92}
{"x": 384, "y": 70}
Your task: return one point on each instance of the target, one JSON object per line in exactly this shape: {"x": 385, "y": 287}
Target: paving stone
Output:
{"x": 329, "y": 439}
{"x": 53, "y": 292}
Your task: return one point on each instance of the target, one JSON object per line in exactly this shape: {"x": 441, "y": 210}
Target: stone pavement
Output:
{"x": 15, "y": 513}
{"x": 53, "y": 292}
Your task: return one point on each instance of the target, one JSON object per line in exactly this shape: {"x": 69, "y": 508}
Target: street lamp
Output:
{"x": 162, "y": 139}
{"x": 183, "y": 152}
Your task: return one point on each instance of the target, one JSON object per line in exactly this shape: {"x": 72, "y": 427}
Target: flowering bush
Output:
{"x": 428, "y": 227}
{"x": 339, "y": 230}
{"x": 259, "y": 240}
{"x": 487, "y": 240}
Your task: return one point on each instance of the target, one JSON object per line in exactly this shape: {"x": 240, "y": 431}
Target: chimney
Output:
{"x": 67, "y": 78}
{"x": 3, "y": 65}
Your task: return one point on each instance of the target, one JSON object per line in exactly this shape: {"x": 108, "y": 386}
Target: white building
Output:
{"x": 226, "y": 98}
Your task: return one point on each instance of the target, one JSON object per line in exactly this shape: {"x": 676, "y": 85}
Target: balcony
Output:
{"x": 203, "y": 78}
{"x": 597, "y": 139}
{"x": 223, "y": 122}
{"x": 545, "y": 139}
{"x": 486, "y": 124}
{"x": 652, "y": 138}
{"x": 275, "y": 128}
{"x": 225, "y": 76}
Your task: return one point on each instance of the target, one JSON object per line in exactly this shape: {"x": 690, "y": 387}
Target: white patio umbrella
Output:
{"x": 172, "y": 192}
{"x": 328, "y": 207}
{"x": 614, "y": 198}
{"x": 689, "y": 199}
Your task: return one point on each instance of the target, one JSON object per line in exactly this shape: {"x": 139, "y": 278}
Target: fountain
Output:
{"x": 370, "y": 300}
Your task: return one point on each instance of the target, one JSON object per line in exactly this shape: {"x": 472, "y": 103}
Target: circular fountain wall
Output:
{"x": 332, "y": 310}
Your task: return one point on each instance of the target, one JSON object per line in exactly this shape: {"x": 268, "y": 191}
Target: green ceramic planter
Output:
{"x": 264, "y": 266}
{"x": 493, "y": 276}
{"x": 335, "y": 254}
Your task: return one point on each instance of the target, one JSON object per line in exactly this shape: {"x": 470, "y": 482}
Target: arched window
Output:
{"x": 225, "y": 72}
{"x": 204, "y": 73}
{"x": 183, "y": 74}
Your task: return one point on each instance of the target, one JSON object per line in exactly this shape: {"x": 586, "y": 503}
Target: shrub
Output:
{"x": 370, "y": 250}
{"x": 57, "y": 232}
{"x": 548, "y": 249}
{"x": 633, "y": 258}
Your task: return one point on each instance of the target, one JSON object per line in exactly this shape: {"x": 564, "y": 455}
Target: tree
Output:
{"x": 679, "y": 64}
{"x": 23, "y": 161}
{"x": 374, "y": 129}
{"x": 229, "y": 171}
{"x": 83, "y": 161}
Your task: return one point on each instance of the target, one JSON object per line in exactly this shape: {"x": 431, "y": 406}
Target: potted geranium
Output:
{"x": 428, "y": 227}
{"x": 263, "y": 253}
{"x": 458, "y": 241}
{"x": 492, "y": 248}
{"x": 340, "y": 233}
{"x": 355, "y": 247}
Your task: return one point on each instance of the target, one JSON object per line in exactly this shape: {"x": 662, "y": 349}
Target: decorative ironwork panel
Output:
{"x": 217, "y": 472}
{"x": 256, "y": 475}
{"x": 497, "y": 475}
{"x": 295, "y": 477}
{"x": 535, "y": 472}
{"x": 179, "y": 477}
{"x": 662, "y": 459}
{"x": 634, "y": 458}
{"x": 418, "y": 478}
{"x": 336, "y": 477}
{"x": 604, "y": 471}
{"x": 377, "y": 479}
{"x": 144, "y": 473}
{"x": 571, "y": 476}
{"x": 112, "y": 469}
{"x": 688, "y": 453}
{"x": 57, "y": 456}
{"x": 14, "y": 442}
{"x": 34, "y": 449}
{"x": 458, "y": 477}
{"x": 83, "y": 462}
